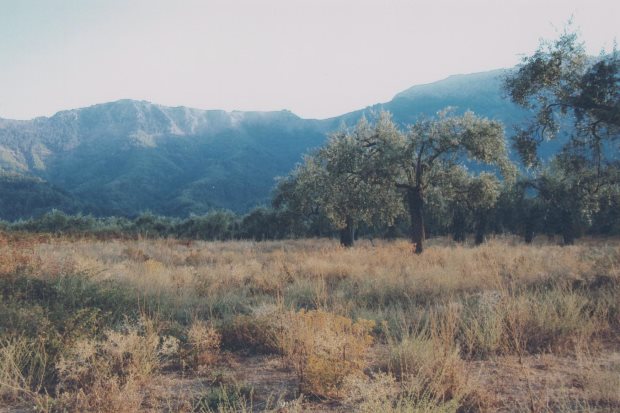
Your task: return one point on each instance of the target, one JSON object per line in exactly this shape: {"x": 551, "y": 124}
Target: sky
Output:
{"x": 317, "y": 58}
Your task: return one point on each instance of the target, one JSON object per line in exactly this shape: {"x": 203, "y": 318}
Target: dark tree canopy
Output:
{"x": 569, "y": 93}
{"x": 576, "y": 98}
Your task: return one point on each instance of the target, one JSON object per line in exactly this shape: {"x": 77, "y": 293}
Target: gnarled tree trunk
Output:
{"x": 347, "y": 234}
{"x": 569, "y": 229}
{"x": 528, "y": 229}
{"x": 415, "y": 202}
{"x": 459, "y": 224}
{"x": 481, "y": 227}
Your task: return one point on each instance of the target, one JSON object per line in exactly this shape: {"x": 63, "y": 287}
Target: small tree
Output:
{"x": 296, "y": 200}
{"x": 519, "y": 211}
{"x": 471, "y": 199}
{"x": 335, "y": 181}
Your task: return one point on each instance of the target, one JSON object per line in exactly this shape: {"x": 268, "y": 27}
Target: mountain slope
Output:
{"x": 479, "y": 92}
{"x": 129, "y": 156}
{"x": 19, "y": 194}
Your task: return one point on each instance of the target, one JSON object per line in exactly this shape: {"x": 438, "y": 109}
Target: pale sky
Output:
{"x": 317, "y": 58}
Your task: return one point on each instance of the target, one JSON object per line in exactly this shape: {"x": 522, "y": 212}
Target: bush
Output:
{"x": 204, "y": 345}
{"x": 257, "y": 332}
{"x": 107, "y": 375}
{"x": 23, "y": 369}
{"x": 324, "y": 349}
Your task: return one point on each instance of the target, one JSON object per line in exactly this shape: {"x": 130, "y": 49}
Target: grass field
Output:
{"x": 169, "y": 325}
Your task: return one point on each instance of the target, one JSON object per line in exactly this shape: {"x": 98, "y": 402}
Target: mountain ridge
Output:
{"x": 128, "y": 156}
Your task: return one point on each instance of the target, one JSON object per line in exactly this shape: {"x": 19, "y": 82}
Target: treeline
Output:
{"x": 260, "y": 224}
{"x": 513, "y": 213}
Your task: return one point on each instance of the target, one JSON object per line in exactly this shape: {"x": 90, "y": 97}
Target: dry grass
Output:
{"x": 86, "y": 323}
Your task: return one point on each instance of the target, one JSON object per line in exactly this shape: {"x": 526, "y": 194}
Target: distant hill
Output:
{"x": 30, "y": 196}
{"x": 129, "y": 156}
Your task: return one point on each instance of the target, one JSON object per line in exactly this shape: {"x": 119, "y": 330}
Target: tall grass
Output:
{"x": 85, "y": 322}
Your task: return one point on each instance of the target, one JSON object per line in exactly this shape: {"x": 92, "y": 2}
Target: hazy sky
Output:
{"x": 318, "y": 58}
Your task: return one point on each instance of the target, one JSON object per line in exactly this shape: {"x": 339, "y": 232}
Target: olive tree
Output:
{"x": 520, "y": 211}
{"x": 335, "y": 181}
{"x": 421, "y": 159}
{"x": 577, "y": 98}
{"x": 299, "y": 195}
{"x": 471, "y": 198}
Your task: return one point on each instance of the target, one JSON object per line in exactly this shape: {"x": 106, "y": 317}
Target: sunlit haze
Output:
{"x": 317, "y": 58}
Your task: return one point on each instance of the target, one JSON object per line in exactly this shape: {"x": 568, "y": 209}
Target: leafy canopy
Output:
{"x": 335, "y": 181}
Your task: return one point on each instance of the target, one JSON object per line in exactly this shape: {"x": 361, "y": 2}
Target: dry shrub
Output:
{"x": 321, "y": 347}
{"x": 553, "y": 320}
{"x": 371, "y": 394}
{"x": 515, "y": 320}
{"x": 428, "y": 364}
{"x": 204, "y": 342}
{"x": 483, "y": 325}
{"x": 560, "y": 317}
{"x": 23, "y": 365}
{"x": 135, "y": 254}
{"x": 380, "y": 393}
{"x": 257, "y": 332}
{"x": 428, "y": 368}
{"x": 17, "y": 256}
{"x": 109, "y": 375}
{"x": 324, "y": 349}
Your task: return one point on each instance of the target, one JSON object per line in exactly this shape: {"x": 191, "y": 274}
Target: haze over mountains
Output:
{"x": 126, "y": 157}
